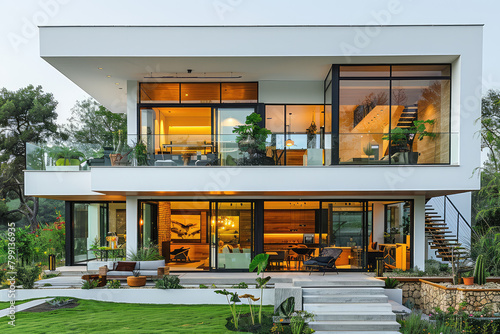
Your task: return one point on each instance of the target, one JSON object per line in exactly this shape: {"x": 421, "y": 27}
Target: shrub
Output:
{"x": 59, "y": 301}
{"x": 26, "y": 276}
{"x": 114, "y": 284}
{"x": 149, "y": 252}
{"x": 391, "y": 283}
{"x": 90, "y": 284}
{"x": 203, "y": 286}
{"x": 241, "y": 285}
{"x": 168, "y": 282}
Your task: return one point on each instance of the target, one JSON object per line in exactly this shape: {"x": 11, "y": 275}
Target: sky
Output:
{"x": 21, "y": 65}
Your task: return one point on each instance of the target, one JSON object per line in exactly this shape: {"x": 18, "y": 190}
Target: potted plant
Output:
{"x": 402, "y": 139}
{"x": 311, "y": 135}
{"x": 252, "y": 139}
{"x": 468, "y": 278}
{"x": 141, "y": 153}
{"x": 136, "y": 280}
{"x": 66, "y": 156}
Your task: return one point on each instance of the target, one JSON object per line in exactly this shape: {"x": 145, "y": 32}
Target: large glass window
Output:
{"x": 98, "y": 225}
{"x": 291, "y": 233}
{"x": 297, "y": 133}
{"x": 397, "y": 114}
{"x": 232, "y": 234}
{"x": 180, "y": 229}
{"x": 364, "y": 117}
{"x": 226, "y": 92}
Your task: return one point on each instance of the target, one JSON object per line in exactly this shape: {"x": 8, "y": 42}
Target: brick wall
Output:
{"x": 164, "y": 222}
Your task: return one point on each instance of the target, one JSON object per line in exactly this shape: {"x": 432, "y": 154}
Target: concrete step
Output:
{"x": 342, "y": 291}
{"x": 347, "y": 326}
{"x": 355, "y": 316}
{"x": 342, "y": 299}
{"x": 355, "y": 308}
{"x": 311, "y": 283}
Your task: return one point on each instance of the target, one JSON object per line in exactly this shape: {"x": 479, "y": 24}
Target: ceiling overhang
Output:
{"x": 101, "y": 60}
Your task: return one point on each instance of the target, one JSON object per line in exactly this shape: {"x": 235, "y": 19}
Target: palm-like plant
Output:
{"x": 251, "y": 137}
{"x": 66, "y": 156}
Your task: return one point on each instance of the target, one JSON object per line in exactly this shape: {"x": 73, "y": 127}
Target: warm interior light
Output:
{"x": 141, "y": 222}
{"x": 99, "y": 68}
{"x": 116, "y": 83}
{"x": 109, "y": 76}
{"x": 289, "y": 143}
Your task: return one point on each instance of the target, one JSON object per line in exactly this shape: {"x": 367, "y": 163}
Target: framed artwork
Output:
{"x": 186, "y": 227}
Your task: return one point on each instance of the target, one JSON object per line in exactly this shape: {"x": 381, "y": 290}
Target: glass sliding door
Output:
{"x": 228, "y": 148}
{"x": 90, "y": 228}
{"x": 231, "y": 235}
{"x": 344, "y": 228}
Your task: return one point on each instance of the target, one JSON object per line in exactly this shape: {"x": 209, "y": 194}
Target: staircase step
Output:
{"x": 310, "y": 283}
{"x": 341, "y": 291}
{"x": 347, "y": 326}
{"x": 352, "y": 316}
{"x": 334, "y": 299}
{"x": 347, "y": 307}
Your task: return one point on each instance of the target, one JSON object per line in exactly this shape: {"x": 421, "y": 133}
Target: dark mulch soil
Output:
{"x": 46, "y": 307}
{"x": 245, "y": 324}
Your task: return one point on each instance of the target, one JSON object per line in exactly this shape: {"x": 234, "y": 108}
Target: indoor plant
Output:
{"x": 252, "y": 138}
{"x": 311, "y": 135}
{"x": 402, "y": 139}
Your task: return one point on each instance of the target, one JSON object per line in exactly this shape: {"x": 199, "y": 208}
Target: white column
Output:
{"x": 132, "y": 93}
{"x": 378, "y": 222}
{"x": 419, "y": 233}
{"x": 131, "y": 224}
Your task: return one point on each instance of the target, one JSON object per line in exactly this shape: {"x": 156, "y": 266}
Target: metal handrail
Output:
{"x": 459, "y": 215}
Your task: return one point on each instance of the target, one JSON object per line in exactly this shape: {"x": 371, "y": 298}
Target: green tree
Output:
{"x": 91, "y": 123}
{"x": 486, "y": 202}
{"x": 26, "y": 115}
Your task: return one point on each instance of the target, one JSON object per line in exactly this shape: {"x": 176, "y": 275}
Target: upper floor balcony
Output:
{"x": 278, "y": 150}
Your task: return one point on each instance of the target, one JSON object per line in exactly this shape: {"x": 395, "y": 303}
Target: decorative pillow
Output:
{"x": 125, "y": 266}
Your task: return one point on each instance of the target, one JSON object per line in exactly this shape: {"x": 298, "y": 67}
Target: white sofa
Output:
{"x": 154, "y": 268}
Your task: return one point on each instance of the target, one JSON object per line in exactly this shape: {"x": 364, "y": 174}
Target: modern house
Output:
{"x": 365, "y": 124}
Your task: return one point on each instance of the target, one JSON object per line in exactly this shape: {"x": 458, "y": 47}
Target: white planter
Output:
{"x": 62, "y": 168}
{"x": 395, "y": 295}
{"x": 142, "y": 295}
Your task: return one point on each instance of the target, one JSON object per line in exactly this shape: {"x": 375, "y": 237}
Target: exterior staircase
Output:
{"x": 440, "y": 238}
{"x": 349, "y": 307}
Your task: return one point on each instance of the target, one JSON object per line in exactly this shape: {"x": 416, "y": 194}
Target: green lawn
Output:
{"x": 101, "y": 317}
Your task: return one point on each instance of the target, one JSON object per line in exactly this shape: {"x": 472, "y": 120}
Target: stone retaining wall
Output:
{"x": 426, "y": 295}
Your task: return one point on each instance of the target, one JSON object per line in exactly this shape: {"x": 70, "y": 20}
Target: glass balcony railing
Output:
{"x": 235, "y": 150}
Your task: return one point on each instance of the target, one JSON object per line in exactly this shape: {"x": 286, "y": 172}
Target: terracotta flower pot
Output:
{"x": 136, "y": 281}
{"x": 468, "y": 280}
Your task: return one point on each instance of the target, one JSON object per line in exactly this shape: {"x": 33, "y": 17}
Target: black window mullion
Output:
{"x": 335, "y": 115}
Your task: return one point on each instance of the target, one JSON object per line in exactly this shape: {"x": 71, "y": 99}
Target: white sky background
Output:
{"x": 21, "y": 64}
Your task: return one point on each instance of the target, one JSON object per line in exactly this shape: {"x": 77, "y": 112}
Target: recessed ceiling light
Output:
{"x": 116, "y": 83}
{"x": 99, "y": 68}
{"x": 109, "y": 76}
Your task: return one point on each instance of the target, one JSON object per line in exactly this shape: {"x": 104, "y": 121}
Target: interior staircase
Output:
{"x": 440, "y": 238}
{"x": 407, "y": 117}
{"x": 349, "y": 306}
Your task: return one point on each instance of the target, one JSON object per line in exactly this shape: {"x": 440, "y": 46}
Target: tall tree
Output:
{"x": 486, "y": 202}
{"x": 91, "y": 123}
{"x": 26, "y": 115}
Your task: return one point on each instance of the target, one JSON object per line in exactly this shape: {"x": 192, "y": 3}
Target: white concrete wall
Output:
{"x": 132, "y": 120}
{"x": 310, "y": 92}
{"x": 141, "y": 296}
{"x": 419, "y": 233}
{"x": 280, "y": 178}
{"x": 45, "y": 183}
{"x": 132, "y": 220}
